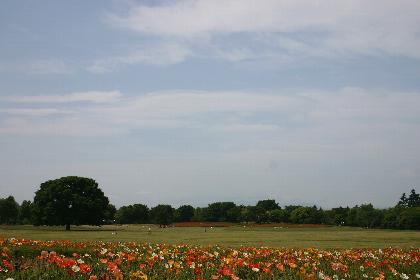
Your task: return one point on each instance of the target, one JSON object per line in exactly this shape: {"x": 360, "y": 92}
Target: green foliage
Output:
{"x": 267, "y": 205}
{"x": 409, "y": 218}
{"x": 162, "y": 214}
{"x": 76, "y": 200}
{"x": 277, "y": 216}
{"x": 220, "y": 212}
{"x": 25, "y": 212}
{"x": 248, "y": 214}
{"x": 133, "y": 214}
{"x": 307, "y": 215}
{"x": 9, "y": 210}
{"x": 70, "y": 200}
{"x": 184, "y": 213}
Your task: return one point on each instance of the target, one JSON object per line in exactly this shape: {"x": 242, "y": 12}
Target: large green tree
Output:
{"x": 25, "y": 212}
{"x": 9, "y": 210}
{"x": 162, "y": 214}
{"x": 133, "y": 214}
{"x": 70, "y": 200}
{"x": 184, "y": 213}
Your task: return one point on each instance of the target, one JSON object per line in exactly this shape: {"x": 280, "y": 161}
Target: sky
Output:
{"x": 196, "y": 101}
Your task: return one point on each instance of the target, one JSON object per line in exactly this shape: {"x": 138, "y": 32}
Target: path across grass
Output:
{"x": 327, "y": 237}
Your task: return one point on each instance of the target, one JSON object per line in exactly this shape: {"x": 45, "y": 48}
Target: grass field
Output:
{"x": 323, "y": 237}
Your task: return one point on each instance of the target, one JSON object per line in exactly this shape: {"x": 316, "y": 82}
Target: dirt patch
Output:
{"x": 204, "y": 224}
{"x": 226, "y": 224}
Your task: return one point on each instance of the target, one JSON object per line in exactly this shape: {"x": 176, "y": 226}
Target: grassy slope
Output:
{"x": 329, "y": 237}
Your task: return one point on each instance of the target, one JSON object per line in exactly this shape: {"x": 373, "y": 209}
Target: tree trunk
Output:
{"x": 67, "y": 226}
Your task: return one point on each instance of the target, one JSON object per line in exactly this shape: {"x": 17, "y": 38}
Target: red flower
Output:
{"x": 197, "y": 270}
{"x": 8, "y": 265}
{"x": 225, "y": 271}
{"x": 84, "y": 268}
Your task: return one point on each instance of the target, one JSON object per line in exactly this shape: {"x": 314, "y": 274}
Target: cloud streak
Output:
{"x": 158, "y": 55}
{"x": 327, "y": 111}
{"x": 285, "y": 30}
{"x": 86, "y": 96}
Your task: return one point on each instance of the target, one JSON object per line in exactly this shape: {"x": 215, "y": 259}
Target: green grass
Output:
{"x": 327, "y": 237}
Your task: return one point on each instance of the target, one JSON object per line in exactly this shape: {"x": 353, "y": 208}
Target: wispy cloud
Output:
{"x": 87, "y": 96}
{"x": 37, "y": 67}
{"x": 159, "y": 55}
{"x": 34, "y": 111}
{"x": 327, "y": 112}
{"x": 280, "y": 29}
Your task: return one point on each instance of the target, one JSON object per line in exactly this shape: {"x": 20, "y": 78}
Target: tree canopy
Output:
{"x": 9, "y": 210}
{"x": 162, "y": 214}
{"x": 70, "y": 200}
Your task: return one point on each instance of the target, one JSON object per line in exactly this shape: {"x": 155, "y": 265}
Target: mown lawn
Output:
{"x": 326, "y": 237}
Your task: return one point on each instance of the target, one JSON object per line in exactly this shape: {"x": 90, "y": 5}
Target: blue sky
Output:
{"x": 311, "y": 102}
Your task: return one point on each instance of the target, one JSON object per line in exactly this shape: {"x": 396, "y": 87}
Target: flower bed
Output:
{"x": 32, "y": 259}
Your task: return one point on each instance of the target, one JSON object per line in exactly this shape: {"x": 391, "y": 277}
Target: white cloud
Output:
{"x": 40, "y": 66}
{"x": 294, "y": 27}
{"x": 87, "y": 96}
{"x": 336, "y": 114}
{"x": 160, "y": 55}
{"x": 33, "y": 111}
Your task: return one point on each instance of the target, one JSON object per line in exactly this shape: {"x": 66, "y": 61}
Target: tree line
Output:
{"x": 76, "y": 200}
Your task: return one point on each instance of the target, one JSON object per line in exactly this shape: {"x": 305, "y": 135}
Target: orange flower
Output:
{"x": 280, "y": 266}
{"x": 84, "y": 268}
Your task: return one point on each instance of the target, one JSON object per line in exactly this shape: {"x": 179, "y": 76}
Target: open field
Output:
{"x": 322, "y": 237}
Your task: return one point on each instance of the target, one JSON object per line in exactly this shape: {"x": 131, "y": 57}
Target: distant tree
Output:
{"x": 184, "y": 213}
{"x": 277, "y": 216}
{"x": 162, "y": 214}
{"x": 289, "y": 209}
{"x": 338, "y": 216}
{"x": 390, "y": 217}
{"x": 133, "y": 214}
{"x": 218, "y": 211}
{"x": 70, "y": 200}
{"x": 413, "y": 199}
{"x": 199, "y": 214}
{"x": 233, "y": 214}
{"x": 110, "y": 212}
{"x": 369, "y": 217}
{"x": 25, "y": 212}
{"x": 262, "y": 208}
{"x": 248, "y": 214}
{"x": 352, "y": 216}
{"x": 267, "y": 205}
{"x": 409, "y": 218}
{"x": 403, "y": 201}
{"x": 9, "y": 210}
{"x": 300, "y": 215}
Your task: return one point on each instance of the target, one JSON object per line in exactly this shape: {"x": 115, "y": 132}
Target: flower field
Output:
{"x": 32, "y": 259}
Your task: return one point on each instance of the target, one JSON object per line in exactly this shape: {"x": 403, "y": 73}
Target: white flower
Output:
{"x": 103, "y": 251}
{"x": 10, "y": 278}
{"x": 75, "y": 268}
{"x": 362, "y": 268}
{"x": 418, "y": 275}
{"x": 321, "y": 275}
{"x": 255, "y": 269}
{"x": 404, "y": 276}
